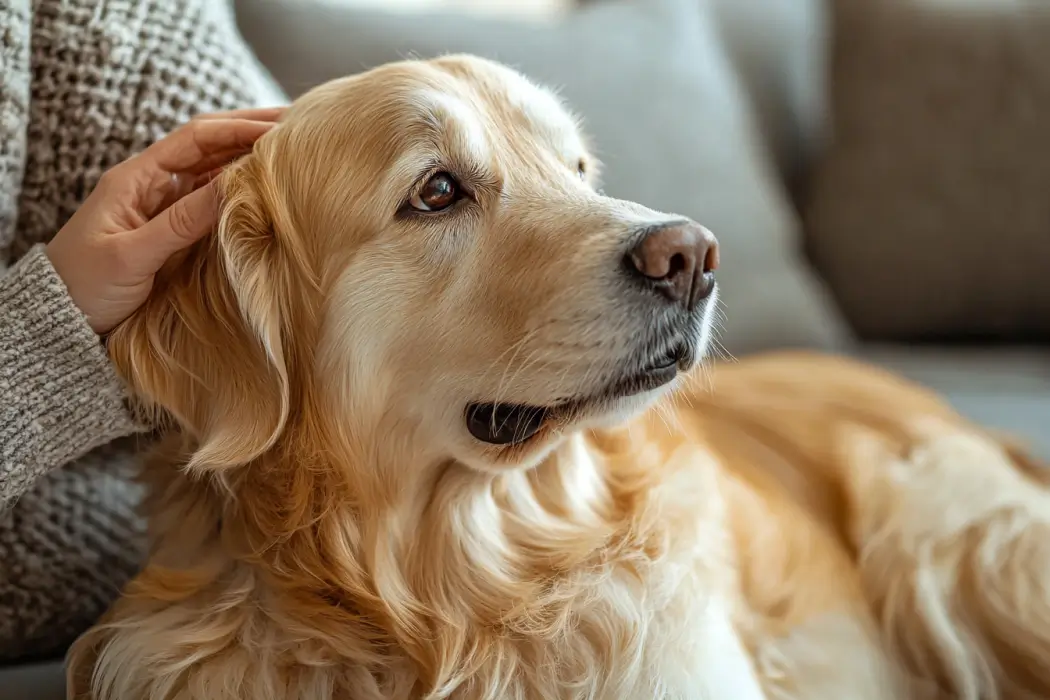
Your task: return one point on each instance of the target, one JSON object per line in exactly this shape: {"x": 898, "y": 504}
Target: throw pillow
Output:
{"x": 930, "y": 216}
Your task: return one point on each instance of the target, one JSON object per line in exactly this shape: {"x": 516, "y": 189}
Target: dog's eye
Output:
{"x": 581, "y": 168}
{"x": 440, "y": 192}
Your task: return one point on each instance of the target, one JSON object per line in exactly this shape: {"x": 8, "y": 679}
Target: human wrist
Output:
{"x": 61, "y": 395}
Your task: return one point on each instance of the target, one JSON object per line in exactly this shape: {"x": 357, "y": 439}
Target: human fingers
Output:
{"x": 153, "y": 190}
{"x": 183, "y": 149}
{"x": 204, "y": 178}
{"x": 180, "y": 225}
{"x": 217, "y": 160}
{"x": 177, "y": 186}
{"x": 258, "y": 114}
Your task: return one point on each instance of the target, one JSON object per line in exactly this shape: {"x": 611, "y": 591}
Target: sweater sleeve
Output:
{"x": 59, "y": 395}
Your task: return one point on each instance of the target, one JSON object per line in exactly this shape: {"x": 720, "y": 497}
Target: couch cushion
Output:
{"x": 930, "y": 217}
{"x": 781, "y": 52}
{"x": 37, "y": 681}
{"x": 1006, "y": 389}
{"x": 660, "y": 100}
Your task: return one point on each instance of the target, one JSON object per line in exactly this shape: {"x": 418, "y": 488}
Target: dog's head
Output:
{"x": 420, "y": 250}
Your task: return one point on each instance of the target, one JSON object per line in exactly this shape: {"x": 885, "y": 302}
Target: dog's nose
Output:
{"x": 678, "y": 260}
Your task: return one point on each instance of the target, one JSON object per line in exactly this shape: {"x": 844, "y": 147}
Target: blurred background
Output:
{"x": 877, "y": 171}
{"x": 537, "y": 9}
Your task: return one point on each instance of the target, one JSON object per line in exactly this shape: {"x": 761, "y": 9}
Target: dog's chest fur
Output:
{"x": 529, "y": 590}
{"x": 651, "y": 615}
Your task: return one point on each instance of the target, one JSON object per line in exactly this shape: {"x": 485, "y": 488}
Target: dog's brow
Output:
{"x": 451, "y": 120}
{"x": 545, "y": 112}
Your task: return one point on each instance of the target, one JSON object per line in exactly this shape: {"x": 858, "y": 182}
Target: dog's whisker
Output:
{"x": 534, "y": 356}
{"x": 513, "y": 351}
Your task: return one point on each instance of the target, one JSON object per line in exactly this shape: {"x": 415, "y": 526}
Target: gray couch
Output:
{"x": 727, "y": 116}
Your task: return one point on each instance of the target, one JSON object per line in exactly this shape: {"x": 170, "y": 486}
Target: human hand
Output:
{"x": 146, "y": 209}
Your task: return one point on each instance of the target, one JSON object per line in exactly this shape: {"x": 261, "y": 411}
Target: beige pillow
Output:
{"x": 930, "y": 217}
{"x": 658, "y": 97}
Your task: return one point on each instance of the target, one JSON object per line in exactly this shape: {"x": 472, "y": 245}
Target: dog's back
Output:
{"x": 862, "y": 502}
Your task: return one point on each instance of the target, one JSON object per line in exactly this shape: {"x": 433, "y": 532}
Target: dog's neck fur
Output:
{"x": 469, "y": 577}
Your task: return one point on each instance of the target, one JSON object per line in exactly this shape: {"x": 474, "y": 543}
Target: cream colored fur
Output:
{"x": 324, "y": 526}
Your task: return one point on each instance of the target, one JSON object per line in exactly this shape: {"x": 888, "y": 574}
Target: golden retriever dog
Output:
{"x": 436, "y": 430}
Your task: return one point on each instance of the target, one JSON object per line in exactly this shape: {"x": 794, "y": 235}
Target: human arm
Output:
{"x": 59, "y": 395}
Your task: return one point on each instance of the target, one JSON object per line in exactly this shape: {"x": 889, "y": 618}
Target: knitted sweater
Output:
{"x": 83, "y": 85}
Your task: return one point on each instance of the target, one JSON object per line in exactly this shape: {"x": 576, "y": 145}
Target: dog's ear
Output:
{"x": 208, "y": 349}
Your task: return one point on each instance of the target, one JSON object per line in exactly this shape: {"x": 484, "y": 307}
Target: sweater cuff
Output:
{"x": 60, "y": 396}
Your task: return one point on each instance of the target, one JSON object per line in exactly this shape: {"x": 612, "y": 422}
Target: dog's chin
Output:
{"x": 518, "y": 426}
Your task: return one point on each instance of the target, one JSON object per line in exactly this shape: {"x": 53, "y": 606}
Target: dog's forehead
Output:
{"x": 508, "y": 99}
{"x": 537, "y": 104}
{"x": 401, "y": 116}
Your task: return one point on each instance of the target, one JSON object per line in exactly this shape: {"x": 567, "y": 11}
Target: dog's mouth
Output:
{"x": 513, "y": 424}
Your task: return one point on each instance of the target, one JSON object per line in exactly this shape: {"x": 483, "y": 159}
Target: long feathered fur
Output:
{"x": 807, "y": 527}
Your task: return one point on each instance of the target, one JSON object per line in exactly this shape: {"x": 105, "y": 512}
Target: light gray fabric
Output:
{"x": 1007, "y": 389}
{"x": 59, "y": 395}
{"x": 659, "y": 97}
{"x": 781, "y": 50}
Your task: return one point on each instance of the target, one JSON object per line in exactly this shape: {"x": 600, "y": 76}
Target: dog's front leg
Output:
{"x": 830, "y": 657}
{"x": 705, "y": 657}
{"x": 728, "y": 670}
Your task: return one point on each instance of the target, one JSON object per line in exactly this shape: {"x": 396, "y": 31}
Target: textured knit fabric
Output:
{"x": 60, "y": 395}
{"x": 929, "y": 216}
{"x": 83, "y": 85}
